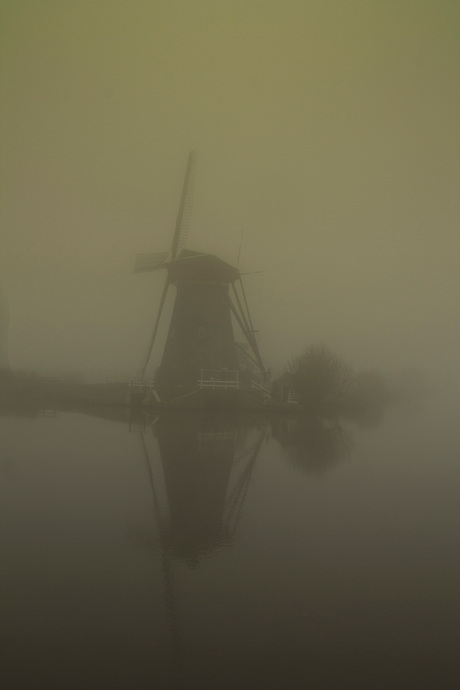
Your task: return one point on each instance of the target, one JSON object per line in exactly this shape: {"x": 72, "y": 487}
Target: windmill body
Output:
{"x": 200, "y": 350}
{"x": 200, "y": 337}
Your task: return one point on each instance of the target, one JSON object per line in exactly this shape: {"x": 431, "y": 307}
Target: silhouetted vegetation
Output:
{"x": 326, "y": 385}
{"x": 320, "y": 378}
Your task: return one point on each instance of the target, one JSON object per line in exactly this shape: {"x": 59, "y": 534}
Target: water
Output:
{"x": 184, "y": 552}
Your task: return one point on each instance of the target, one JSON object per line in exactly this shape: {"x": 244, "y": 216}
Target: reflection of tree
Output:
{"x": 312, "y": 444}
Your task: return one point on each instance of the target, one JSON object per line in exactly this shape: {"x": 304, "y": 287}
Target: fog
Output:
{"x": 328, "y": 140}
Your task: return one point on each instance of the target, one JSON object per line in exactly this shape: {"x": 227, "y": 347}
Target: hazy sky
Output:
{"x": 328, "y": 130}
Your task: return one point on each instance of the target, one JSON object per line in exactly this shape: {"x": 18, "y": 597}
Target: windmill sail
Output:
{"x": 155, "y": 330}
{"x": 151, "y": 262}
{"x": 185, "y": 208}
{"x": 158, "y": 260}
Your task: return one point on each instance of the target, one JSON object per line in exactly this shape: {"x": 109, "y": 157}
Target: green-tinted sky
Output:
{"x": 329, "y": 130}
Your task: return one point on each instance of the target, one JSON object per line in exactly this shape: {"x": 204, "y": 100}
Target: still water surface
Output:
{"x": 187, "y": 552}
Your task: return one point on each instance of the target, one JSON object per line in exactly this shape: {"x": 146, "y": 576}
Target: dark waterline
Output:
{"x": 224, "y": 553}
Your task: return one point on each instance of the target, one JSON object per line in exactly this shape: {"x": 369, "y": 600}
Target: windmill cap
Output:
{"x": 192, "y": 266}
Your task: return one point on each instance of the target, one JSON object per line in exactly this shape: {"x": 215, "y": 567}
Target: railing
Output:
{"x": 293, "y": 398}
{"x": 261, "y": 390}
{"x": 223, "y": 379}
{"x": 144, "y": 385}
{"x": 214, "y": 383}
{"x": 142, "y": 388}
{"x": 47, "y": 413}
{"x": 219, "y": 435}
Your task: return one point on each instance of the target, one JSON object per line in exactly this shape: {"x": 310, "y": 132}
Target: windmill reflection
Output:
{"x": 198, "y": 492}
{"x": 207, "y": 464}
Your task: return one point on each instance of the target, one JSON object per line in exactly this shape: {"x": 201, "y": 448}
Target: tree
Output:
{"x": 320, "y": 377}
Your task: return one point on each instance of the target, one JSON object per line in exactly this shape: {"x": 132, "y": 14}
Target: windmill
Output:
{"x": 200, "y": 350}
